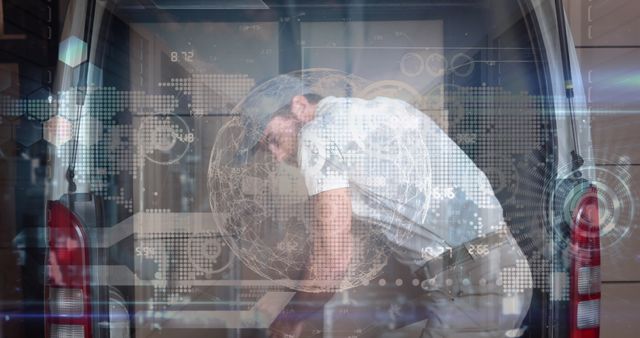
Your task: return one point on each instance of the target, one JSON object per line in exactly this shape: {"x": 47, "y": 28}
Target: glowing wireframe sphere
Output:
{"x": 262, "y": 207}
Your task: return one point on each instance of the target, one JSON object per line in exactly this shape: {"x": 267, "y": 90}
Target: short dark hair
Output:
{"x": 285, "y": 111}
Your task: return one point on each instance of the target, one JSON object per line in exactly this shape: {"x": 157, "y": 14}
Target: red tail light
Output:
{"x": 67, "y": 287}
{"x": 585, "y": 268}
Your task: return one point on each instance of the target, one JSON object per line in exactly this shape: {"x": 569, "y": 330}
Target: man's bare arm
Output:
{"x": 328, "y": 261}
{"x": 332, "y": 243}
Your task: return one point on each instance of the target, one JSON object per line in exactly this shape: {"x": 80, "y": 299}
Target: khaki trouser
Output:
{"x": 485, "y": 297}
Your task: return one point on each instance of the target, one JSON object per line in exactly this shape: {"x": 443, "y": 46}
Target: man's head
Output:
{"x": 280, "y": 136}
{"x": 288, "y": 96}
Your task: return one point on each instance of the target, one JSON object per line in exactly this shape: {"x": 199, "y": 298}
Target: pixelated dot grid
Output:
{"x": 181, "y": 256}
{"x": 212, "y": 93}
{"x": 516, "y": 279}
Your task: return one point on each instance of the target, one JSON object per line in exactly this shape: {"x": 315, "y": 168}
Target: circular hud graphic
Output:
{"x": 164, "y": 139}
{"x": 208, "y": 253}
{"x": 606, "y": 182}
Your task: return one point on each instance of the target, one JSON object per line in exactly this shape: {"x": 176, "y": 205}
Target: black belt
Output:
{"x": 468, "y": 251}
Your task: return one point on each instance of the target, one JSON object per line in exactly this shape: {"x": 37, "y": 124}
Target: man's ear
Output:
{"x": 300, "y": 108}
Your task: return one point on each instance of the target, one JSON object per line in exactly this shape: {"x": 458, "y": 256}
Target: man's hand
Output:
{"x": 285, "y": 329}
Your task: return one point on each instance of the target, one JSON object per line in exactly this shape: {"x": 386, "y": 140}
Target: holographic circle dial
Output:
{"x": 208, "y": 253}
{"x": 604, "y": 181}
{"x": 164, "y": 139}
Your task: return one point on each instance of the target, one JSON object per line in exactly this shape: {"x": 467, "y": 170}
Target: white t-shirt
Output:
{"x": 406, "y": 176}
